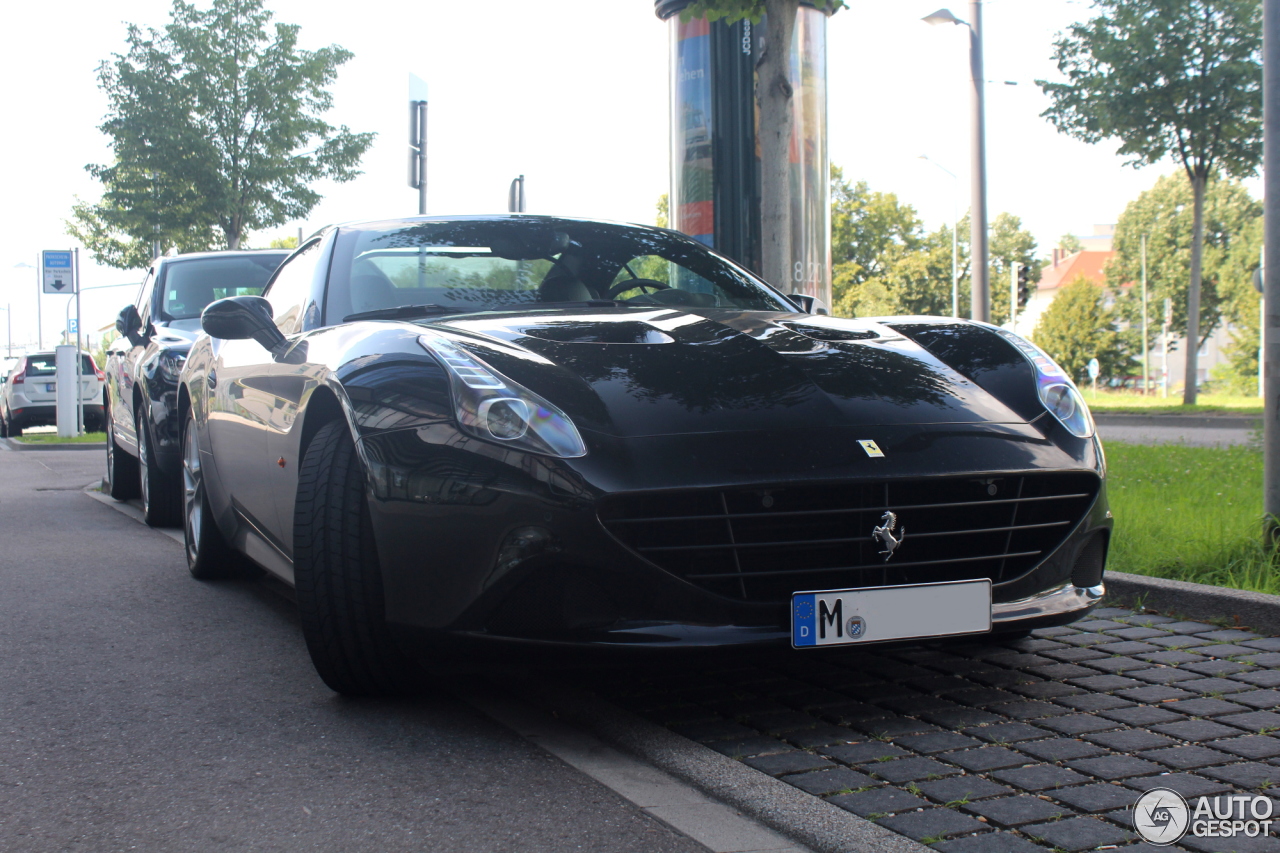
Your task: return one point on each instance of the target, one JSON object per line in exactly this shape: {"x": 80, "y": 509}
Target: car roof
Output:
{"x": 226, "y": 253}
{"x": 501, "y": 217}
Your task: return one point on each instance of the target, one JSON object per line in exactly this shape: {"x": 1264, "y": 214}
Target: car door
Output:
{"x": 245, "y": 410}
{"x": 123, "y": 376}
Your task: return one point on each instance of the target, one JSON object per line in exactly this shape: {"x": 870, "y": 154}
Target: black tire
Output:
{"x": 337, "y": 575}
{"x": 122, "y": 469}
{"x": 209, "y": 557}
{"x": 4, "y": 426}
{"x": 161, "y": 496}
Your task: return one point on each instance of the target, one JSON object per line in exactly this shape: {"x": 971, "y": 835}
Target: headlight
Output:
{"x": 170, "y": 364}
{"x": 488, "y": 405}
{"x": 1057, "y": 392}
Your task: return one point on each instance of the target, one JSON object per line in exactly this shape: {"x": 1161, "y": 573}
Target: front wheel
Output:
{"x": 209, "y": 557}
{"x": 160, "y": 507}
{"x": 337, "y": 575}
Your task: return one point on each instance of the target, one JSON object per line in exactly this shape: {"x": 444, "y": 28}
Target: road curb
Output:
{"x": 14, "y": 444}
{"x": 800, "y": 816}
{"x": 1187, "y": 421}
{"x": 1255, "y": 610}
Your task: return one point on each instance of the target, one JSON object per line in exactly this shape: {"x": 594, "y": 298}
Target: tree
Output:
{"x": 215, "y": 123}
{"x": 1231, "y": 238}
{"x": 773, "y": 95}
{"x": 1010, "y": 243}
{"x": 1178, "y": 78}
{"x": 1070, "y": 244}
{"x": 664, "y": 211}
{"x": 1077, "y": 327}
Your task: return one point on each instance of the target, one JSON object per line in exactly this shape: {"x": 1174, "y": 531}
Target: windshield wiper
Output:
{"x": 401, "y": 311}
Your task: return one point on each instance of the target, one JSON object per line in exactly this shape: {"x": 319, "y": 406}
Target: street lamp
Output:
{"x": 955, "y": 228}
{"x": 978, "y": 151}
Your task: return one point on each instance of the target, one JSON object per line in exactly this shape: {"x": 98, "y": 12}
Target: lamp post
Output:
{"x": 955, "y": 227}
{"x": 978, "y": 256}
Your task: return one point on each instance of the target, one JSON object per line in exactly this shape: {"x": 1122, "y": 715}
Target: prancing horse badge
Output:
{"x": 872, "y": 448}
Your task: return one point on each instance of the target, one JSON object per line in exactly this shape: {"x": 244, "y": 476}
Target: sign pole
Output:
{"x": 79, "y": 357}
{"x": 1269, "y": 323}
{"x": 1146, "y": 354}
{"x": 39, "y": 294}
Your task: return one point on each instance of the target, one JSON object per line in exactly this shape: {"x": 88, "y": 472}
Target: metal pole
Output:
{"x": 422, "y": 158}
{"x": 8, "y": 315}
{"x": 978, "y": 151}
{"x": 1269, "y": 324}
{"x": 79, "y": 357}
{"x": 1146, "y": 354}
{"x": 1164, "y": 348}
{"x": 39, "y": 293}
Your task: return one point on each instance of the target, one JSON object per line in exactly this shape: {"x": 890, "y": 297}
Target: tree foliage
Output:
{"x": 1070, "y": 244}
{"x": 215, "y": 124}
{"x": 1077, "y": 327}
{"x": 1168, "y": 78}
{"x": 735, "y": 10}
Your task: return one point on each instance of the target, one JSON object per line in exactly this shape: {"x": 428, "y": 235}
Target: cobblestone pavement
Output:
{"x": 998, "y": 746}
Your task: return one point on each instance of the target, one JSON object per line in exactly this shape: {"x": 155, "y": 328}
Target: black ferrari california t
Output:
{"x": 549, "y": 430}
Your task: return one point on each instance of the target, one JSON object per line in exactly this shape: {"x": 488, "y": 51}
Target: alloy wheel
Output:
{"x": 192, "y": 491}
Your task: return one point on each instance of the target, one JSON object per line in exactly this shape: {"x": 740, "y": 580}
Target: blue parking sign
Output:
{"x": 58, "y": 273}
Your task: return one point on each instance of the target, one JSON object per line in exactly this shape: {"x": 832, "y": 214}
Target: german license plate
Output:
{"x": 875, "y": 614}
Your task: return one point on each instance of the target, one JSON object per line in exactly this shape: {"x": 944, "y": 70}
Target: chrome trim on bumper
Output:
{"x": 1067, "y": 598}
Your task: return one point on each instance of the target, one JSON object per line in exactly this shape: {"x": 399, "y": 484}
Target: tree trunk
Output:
{"x": 774, "y": 94}
{"x": 1198, "y": 182}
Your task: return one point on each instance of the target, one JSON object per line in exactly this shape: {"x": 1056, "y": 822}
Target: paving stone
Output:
{"x": 1079, "y": 833}
{"x": 909, "y": 769}
{"x": 1002, "y": 678}
{"x": 1214, "y": 685}
{"x": 1226, "y": 650}
{"x": 1039, "y": 777}
{"x": 1141, "y": 715}
{"x": 1032, "y": 644}
{"x": 1059, "y": 749}
{"x": 1250, "y": 775}
{"x": 956, "y": 717}
{"x": 1094, "y": 702}
{"x": 961, "y": 788}
{"x": 1113, "y": 767}
{"x": 1254, "y": 721}
{"x": 1187, "y": 784}
{"x": 1267, "y": 644}
{"x": 1188, "y": 757}
{"x": 1249, "y": 746}
{"x": 985, "y": 758}
{"x": 1205, "y": 707}
{"x": 1078, "y": 724}
{"x": 1168, "y": 675}
{"x": 1195, "y": 730}
{"x": 933, "y": 823}
{"x": 913, "y": 703}
{"x": 1098, "y": 797}
{"x": 1266, "y": 678}
{"x": 1179, "y": 642}
{"x": 1073, "y": 654}
{"x": 1129, "y": 740}
{"x": 1216, "y": 667}
{"x": 820, "y": 735}
{"x": 1046, "y": 689}
{"x": 823, "y": 782}
{"x": 1261, "y": 699}
{"x": 749, "y": 746}
{"x": 1171, "y": 658}
{"x": 851, "y": 712}
{"x": 890, "y": 727}
{"x": 1061, "y": 670}
{"x": 1243, "y": 844}
{"x": 1031, "y": 710}
{"x": 940, "y": 684}
{"x": 1015, "y": 811}
{"x": 1020, "y": 660}
{"x": 985, "y": 697}
{"x": 1228, "y": 635}
{"x": 879, "y": 801}
{"x": 1007, "y": 732}
{"x": 1155, "y": 693}
{"x": 1138, "y": 633}
{"x": 862, "y": 753}
{"x": 787, "y": 762}
{"x": 1119, "y": 665}
{"x": 1263, "y": 659}
{"x": 1126, "y": 647}
{"x": 1100, "y": 625}
{"x": 1105, "y": 683}
{"x": 1084, "y": 639}
{"x": 1187, "y": 627}
{"x": 936, "y": 742}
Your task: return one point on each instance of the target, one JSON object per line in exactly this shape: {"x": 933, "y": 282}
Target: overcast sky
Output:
{"x": 573, "y": 95}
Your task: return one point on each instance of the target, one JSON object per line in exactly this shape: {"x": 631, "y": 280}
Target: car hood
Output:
{"x": 669, "y": 371}
{"x": 177, "y": 333}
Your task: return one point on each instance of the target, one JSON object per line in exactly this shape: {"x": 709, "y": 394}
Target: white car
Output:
{"x": 29, "y": 395}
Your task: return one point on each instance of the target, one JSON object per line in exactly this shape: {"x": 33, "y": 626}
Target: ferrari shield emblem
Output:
{"x": 872, "y": 449}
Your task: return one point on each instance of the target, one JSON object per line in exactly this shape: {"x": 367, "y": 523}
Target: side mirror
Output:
{"x": 239, "y": 318}
{"x": 808, "y": 304}
{"x": 129, "y": 324}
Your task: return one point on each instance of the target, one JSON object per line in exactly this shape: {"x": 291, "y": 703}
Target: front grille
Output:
{"x": 761, "y": 544}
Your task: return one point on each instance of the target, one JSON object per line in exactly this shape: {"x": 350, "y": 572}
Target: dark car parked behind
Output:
{"x": 144, "y": 363}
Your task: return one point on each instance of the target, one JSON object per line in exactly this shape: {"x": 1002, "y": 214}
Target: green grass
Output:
{"x": 52, "y": 438}
{"x": 1127, "y": 403}
{"x": 1191, "y": 514}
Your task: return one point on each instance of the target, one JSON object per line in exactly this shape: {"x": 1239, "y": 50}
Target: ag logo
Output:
{"x": 1161, "y": 816}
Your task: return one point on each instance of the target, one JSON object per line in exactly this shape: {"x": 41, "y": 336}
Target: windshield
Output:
{"x": 45, "y": 364}
{"x": 189, "y": 286}
{"x": 479, "y": 265}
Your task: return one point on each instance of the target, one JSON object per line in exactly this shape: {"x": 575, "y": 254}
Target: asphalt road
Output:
{"x": 140, "y": 709}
